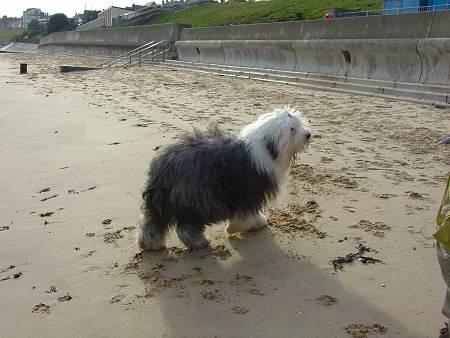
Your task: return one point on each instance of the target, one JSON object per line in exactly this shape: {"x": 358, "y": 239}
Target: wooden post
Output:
{"x": 23, "y": 68}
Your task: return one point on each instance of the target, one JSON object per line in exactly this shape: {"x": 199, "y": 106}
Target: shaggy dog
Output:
{"x": 213, "y": 176}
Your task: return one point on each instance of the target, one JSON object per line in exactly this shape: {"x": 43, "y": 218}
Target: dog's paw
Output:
{"x": 203, "y": 244}
{"x": 145, "y": 246}
{"x": 231, "y": 230}
{"x": 260, "y": 221}
{"x": 242, "y": 225}
{"x": 151, "y": 247}
{"x": 148, "y": 244}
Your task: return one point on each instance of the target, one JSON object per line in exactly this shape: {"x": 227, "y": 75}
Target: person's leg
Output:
{"x": 443, "y": 254}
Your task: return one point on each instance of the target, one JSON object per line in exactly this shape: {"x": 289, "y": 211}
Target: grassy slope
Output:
{"x": 8, "y": 34}
{"x": 261, "y": 11}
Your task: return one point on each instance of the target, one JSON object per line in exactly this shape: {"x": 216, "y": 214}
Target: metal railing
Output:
{"x": 126, "y": 56}
{"x": 393, "y": 11}
{"x": 156, "y": 49}
{"x": 153, "y": 56}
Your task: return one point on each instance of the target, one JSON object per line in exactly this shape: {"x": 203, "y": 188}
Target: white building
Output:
{"x": 112, "y": 13}
{"x": 33, "y": 14}
{"x": 105, "y": 18}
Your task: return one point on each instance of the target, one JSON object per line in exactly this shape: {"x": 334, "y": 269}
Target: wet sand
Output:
{"x": 74, "y": 151}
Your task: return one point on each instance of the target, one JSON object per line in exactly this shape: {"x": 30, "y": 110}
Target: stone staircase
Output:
{"x": 416, "y": 92}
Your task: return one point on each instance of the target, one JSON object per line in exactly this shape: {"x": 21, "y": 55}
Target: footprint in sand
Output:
{"x": 349, "y": 208}
{"x": 375, "y": 228}
{"x": 326, "y": 300}
{"x": 117, "y": 298}
{"x": 89, "y": 254}
{"x": 239, "y": 310}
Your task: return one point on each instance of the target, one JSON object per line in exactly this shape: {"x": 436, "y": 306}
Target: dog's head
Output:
{"x": 282, "y": 134}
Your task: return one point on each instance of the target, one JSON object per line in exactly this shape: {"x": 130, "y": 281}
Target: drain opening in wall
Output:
{"x": 347, "y": 57}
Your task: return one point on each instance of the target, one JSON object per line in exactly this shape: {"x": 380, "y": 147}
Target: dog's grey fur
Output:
{"x": 198, "y": 181}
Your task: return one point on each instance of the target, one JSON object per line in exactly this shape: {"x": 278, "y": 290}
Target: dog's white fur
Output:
{"x": 287, "y": 129}
{"x": 241, "y": 225}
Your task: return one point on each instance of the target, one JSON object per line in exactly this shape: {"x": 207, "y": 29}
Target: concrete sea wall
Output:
{"x": 109, "y": 42}
{"x": 411, "y": 47}
{"x": 406, "y": 47}
{"x": 394, "y": 59}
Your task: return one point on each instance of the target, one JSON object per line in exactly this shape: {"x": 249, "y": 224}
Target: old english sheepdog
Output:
{"x": 213, "y": 176}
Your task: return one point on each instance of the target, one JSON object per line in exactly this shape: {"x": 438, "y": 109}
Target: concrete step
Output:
{"x": 334, "y": 78}
{"x": 406, "y": 91}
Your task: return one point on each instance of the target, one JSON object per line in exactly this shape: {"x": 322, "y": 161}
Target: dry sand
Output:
{"x": 77, "y": 145}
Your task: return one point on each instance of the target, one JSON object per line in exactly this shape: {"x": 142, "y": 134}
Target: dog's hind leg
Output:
{"x": 152, "y": 231}
{"x": 192, "y": 236}
{"x": 244, "y": 224}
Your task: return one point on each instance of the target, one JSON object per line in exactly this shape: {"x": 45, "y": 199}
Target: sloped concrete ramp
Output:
{"x": 19, "y": 47}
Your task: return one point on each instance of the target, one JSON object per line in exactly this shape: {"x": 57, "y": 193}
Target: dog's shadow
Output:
{"x": 251, "y": 287}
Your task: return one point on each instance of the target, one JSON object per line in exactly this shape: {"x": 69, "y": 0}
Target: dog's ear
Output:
{"x": 271, "y": 147}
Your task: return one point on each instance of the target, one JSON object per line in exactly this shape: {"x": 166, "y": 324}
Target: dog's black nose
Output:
{"x": 308, "y": 136}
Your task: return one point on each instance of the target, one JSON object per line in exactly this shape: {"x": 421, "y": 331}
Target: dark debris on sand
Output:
{"x": 47, "y": 189}
{"x": 41, "y": 308}
{"x": 16, "y": 275}
{"x": 362, "y": 330}
{"x": 65, "y": 298}
{"x": 49, "y": 197}
{"x": 7, "y": 268}
{"x": 73, "y": 191}
{"x": 52, "y": 289}
{"x": 338, "y": 263}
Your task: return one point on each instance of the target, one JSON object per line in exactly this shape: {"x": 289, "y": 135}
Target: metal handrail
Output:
{"x": 152, "y": 55}
{"x": 149, "y": 47}
{"x": 117, "y": 59}
{"x": 161, "y": 52}
{"x": 154, "y": 52}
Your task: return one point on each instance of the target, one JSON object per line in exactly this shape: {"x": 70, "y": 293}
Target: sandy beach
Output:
{"x": 74, "y": 151}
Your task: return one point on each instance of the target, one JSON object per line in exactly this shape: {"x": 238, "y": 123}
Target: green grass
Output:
{"x": 8, "y": 34}
{"x": 261, "y": 11}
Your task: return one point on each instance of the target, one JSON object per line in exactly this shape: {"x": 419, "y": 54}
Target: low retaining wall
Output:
{"x": 395, "y": 59}
{"x": 406, "y": 47}
{"x": 109, "y": 42}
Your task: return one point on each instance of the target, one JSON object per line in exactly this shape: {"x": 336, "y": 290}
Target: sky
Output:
{"x": 68, "y": 7}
